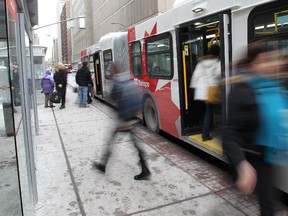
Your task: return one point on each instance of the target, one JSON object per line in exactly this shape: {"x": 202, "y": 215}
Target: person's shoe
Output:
{"x": 52, "y": 106}
{"x": 99, "y": 167}
{"x": 207, "y": 138}
{"x": 62, "y": 107}
{"x": 46, "y": 106}
{"x": 144, "y": 175}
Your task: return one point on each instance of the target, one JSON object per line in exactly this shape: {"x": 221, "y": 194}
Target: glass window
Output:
{"x": 159, "y": 56}
{"x": 270, "y": 22}
{"x": 136, "y": 58}
{"x": 91, "y": 66}
{"x": 108, "y": 64}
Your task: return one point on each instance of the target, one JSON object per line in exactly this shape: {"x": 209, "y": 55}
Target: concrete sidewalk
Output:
{"x": 72, "y": 138}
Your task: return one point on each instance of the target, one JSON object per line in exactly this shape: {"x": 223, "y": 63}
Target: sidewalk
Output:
{"x": 72, "y": 138}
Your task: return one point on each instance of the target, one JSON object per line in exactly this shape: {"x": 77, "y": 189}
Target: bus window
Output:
{"x": 136, "y": 58}
{"x": 108, "y": 64}
{"x": 159, "y": 56}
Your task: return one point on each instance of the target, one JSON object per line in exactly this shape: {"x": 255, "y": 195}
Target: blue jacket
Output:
{"x": 47, "y": 82}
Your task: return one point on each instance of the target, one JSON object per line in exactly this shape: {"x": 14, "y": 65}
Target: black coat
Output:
{"x": 240, "y": 132}
{"x": 60, "y": 77}
{"x": 83, "y": 76}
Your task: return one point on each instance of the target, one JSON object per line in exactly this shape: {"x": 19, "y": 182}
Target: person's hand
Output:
{"x": 247, "y": 177}
{"x": 60, "y": 85}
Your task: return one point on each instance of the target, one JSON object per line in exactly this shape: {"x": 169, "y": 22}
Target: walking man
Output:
{"x": 83, "y": 79}
{"x": 126, "y": 94}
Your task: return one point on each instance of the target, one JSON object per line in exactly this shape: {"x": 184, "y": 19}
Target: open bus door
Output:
{"x": 193, "y": 40}
{"x": 97, "y": 71}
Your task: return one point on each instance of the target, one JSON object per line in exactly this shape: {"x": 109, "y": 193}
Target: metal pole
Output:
{"x": 57, "y": 22}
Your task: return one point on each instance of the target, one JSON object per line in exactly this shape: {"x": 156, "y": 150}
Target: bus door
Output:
{"x": 97, "y": 71}
{"x": 194, "y": 40}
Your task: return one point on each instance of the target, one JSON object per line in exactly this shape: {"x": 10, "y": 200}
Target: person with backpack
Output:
{"x": 47, "y": 84}
{"x": 255, "y": 135}
{"x": 127, "y": 97}
{"x": 83, "y": 79}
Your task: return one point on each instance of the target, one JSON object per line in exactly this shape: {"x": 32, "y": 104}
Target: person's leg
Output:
{"x": 63, "y": 95}
{"x": 47, "y": 96}
{"x": 207, "y": 122}
{"x": 101, "y": 166}
{"x": 264, "y": 189}
{"x": 85, "y": 92}
{"x": 50, "y": 102}
{"x": 145, "y": 173}
{"x": 80, "y": 95}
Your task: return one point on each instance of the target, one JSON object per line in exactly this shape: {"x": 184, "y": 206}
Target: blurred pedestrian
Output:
{"x": 47, "y": 84}
{"x": 256, "y": 130}
{"x": 60, "y": 79}
{"x": 207, "y": 75}
{"x": 83, "y": 79}
{"x": 126, "y": 95}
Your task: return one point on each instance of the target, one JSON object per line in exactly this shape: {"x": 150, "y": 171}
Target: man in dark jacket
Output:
{"x": 83, "y": 79}
{"x": 60, "y": 78}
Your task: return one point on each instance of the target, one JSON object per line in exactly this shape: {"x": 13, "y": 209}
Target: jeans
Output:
{"x": 207, "y": 123}
{"x": 82, "y": 92}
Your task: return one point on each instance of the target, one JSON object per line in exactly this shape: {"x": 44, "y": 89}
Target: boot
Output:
{"x": 100, "y": 167}
{"x": 144, "y": 175}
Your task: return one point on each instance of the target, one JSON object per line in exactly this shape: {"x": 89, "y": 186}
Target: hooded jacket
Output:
{"x": 47, "y": 82}
{"x": 207, "y": 73}
{"x": 83, "y": 77}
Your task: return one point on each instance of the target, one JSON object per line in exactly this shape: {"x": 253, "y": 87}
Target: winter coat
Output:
{"x": 207, "y": 73}
{"x": 47, "y": 82}
{"x": 83, "y": 77}
{"x": 60, "y": 77}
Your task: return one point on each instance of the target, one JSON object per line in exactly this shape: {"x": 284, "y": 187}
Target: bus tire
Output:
{"x": 150, "y": 113}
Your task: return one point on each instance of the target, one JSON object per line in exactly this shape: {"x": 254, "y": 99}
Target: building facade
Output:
{"x": 102, "y": 17}
{"x": 65, "y": 34}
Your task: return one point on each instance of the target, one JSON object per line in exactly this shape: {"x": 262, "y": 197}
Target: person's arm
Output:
{"x": 238, "y": 134}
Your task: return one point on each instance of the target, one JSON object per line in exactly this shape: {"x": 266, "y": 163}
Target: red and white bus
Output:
{"x": 171, "y": 43}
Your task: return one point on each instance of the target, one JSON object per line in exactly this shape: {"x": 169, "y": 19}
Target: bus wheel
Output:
{"x": 151, "y": 115}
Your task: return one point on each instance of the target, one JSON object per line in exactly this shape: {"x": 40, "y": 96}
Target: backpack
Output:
{"x": 127, "y": 96}
{"x": 273, "y": 112}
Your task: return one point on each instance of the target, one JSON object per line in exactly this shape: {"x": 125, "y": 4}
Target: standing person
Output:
{"x": 207, "y": 74}
{"x": 47, "y": 84}
{"x": 256, "y": 126}
{"x": 16, "y": 87}
{"x": 60, "y": 79}
{"x": 83, "y": 79}
{"x": 126, "y": 95}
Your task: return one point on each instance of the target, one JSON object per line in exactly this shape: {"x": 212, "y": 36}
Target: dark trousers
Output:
{"x": 107, "y": 151}
{"x": 207, "y": 121}
{"x": 63, "y": 94}
{"x": 264, "y": 190}
{"x": 47, "y": 99}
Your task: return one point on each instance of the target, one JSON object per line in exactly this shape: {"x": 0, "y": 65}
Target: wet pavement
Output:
{"x": 181, "y": 183}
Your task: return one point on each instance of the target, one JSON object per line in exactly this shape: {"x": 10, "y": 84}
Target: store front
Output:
{"x": 18, "y": 111}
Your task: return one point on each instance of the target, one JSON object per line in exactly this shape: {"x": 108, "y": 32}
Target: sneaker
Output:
{"x": 143, "y": 175}
{"x": 99, "y": 167}
{"x": 52, "y": 106}
{"x": 62, "y": 107}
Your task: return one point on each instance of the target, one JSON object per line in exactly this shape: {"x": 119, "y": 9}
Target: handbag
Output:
{"x": 55, "y": 97}
{"x": 214, "y": 95}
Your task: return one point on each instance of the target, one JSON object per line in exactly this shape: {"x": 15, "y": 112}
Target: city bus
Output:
{"x": 172, "y": 43}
